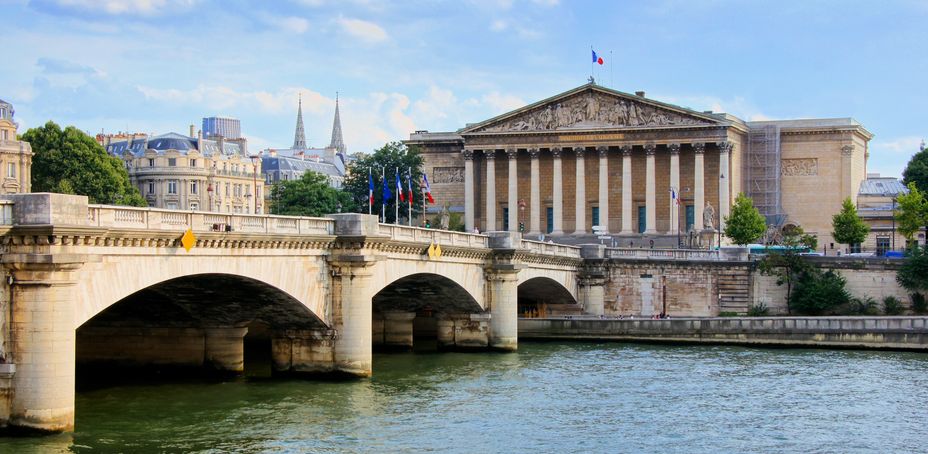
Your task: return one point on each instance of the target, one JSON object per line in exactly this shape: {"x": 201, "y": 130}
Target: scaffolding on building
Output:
{"x": 762, "y": 172}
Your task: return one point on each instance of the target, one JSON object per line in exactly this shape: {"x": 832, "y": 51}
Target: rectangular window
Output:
{"x": 227, "y": 189}
{"x": 3, "y": 135}
{"x": 854, "y": 248}
{"x": 247, "y": 189}
{"x": 151, "y": 187}
{"x": 505, "y": 218}
{"x": 172, "y": 162}
{"x": 690, "y": 217}
{"x": 193, "y": 187}
{"x": 642, "y": 219}
{"x": 595, "y": 211}
{"x": 193, "y": 163}
{"x": 882, "y": 245}
{"x": 151, "y": 163}
{"x": 549, "y": 214}
{"x": 171, "y": 205}
{"x": 11, "y": 170}
{"x": 172, "y": 186}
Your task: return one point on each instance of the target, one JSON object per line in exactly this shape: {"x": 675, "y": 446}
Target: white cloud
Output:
{"x": 546, "y": 2}
{"x": 501, "y": 103}
{"x": 906, "y": 145}
{"x": 293, "y": 24}
{"x": 368, "y": 32}
{"x": 737, "y": 106}
{"x": 131, "y": 7}
{"x": 498, "y": 25}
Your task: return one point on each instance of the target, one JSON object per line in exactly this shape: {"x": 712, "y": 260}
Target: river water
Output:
{"x": 548, "y": 397}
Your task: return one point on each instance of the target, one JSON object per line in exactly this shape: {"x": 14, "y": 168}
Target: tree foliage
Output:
{"x": 786, "y": 264}
{"x": 311, "y": 195}
{"x": 847, "y": 226}
{"x": 913, "y": 274}
{"x": 392, "y": 157}
{"x": 71, "y": 162}
{"x": 911, "y": 211}
{"x": 745, "y": 224}
{"x": 818, "y": 293}
{"x": 916, "y": 171}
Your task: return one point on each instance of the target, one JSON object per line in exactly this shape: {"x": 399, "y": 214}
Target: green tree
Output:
{"x": 847, "y": 226}
{"x": 71, "y": 162}
{"x": 745, "y": 224}
{"x": 787, "y": 265}
{"x": 911, "y": 211}
{"x": 311, "y": 195}
{"x": 913, "y": 274}
{"x": 818, "y": 293}
{"x": 391, "y": 157}
{"x": 916, "y": 171}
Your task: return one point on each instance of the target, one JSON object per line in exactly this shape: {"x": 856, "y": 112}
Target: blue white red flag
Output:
{"x": 399, "y": 187}
{"x": 428, "y": 189}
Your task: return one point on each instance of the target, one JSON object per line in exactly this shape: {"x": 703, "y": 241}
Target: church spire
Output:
{"x": 338, "y": 142}
{"x": 299, "y": 137}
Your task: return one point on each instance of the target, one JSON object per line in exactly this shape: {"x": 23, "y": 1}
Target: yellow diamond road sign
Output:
{"x": 431, "y": 250}
{"x": 188, "y": 240}
{"x": 437, "y": 250}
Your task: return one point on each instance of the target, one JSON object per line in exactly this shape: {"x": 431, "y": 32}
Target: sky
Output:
{"x": 157, "y": 66}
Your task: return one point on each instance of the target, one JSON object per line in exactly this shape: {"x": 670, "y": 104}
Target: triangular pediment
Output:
{"x": 593, "y": 107}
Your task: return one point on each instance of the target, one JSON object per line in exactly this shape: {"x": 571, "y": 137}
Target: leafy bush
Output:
{"x": 861, "y": 306}
{"x": 892, "y": 306}
{"x": 913, "y": 274}
{"x": 758, "y": 310}
{"x": 728, "y": 314}
{"x": 818, "y": 293}
{"x": 919, "y": 305}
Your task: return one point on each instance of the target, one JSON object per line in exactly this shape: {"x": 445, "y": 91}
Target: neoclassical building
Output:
{"x": 639, "y": 168}
{"x": 15, "y": 155}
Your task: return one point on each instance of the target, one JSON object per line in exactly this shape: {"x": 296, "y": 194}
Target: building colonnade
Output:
{"x": 533, "y": 199}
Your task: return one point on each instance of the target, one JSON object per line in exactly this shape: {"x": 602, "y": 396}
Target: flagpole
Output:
{"x": 383, "y": 205}
{"x": 591, "y": 61}
{"x": 409, "y": 202}
{"x": 396, "y": 209}
{"x": 611, "y": 71}
{"x": 370, "y": 198}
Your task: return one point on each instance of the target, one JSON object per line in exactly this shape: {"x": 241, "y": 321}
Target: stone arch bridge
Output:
{"x": 88, "y": 285}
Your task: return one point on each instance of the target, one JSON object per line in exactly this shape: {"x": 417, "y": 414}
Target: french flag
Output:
{"x": 428, "y": 189}
{"x": 597, "y": 59}
{"x": 399, "y": 187}
{"x": 370, "y": 188}
{"x": 409, "y": 185}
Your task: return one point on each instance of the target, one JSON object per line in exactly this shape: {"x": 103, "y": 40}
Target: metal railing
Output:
{"x": 199, "y": 221}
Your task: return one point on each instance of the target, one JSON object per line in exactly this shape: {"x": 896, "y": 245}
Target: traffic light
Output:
{"x": 521, "y": 227}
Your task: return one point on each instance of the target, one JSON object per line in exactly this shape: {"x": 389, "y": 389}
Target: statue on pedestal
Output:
{"x": 445, "y": 219}
{"x": 708, "y": 217}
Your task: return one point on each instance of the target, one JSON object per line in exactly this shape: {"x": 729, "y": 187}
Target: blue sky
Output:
{"x": 160, "y": 65}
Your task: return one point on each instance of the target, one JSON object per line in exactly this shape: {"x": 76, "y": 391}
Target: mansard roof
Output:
{"x": 591, "y": 106}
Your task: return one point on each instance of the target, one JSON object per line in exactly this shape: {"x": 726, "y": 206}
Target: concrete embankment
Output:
{"x": 891, "y": 333}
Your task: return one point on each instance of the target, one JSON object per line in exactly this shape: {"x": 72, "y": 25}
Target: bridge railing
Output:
{"x": 198, "y": 221}
{"x": 661, "y": 254}
{"x": 442, "y": 237}
{"x": 560, "y": 250}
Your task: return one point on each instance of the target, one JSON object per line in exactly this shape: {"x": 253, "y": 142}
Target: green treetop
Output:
{"x": 311, "y": 195}
{"x": 745, "y": 224}
{"x": 916, "y": 171}
{"x": 71, "y": 162}
{"x": 911, "y": 212}
{"x": 392, "y": 157}
{"x": 847, "y": 225}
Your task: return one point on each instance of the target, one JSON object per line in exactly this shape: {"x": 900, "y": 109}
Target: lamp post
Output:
{"x": 521, "y": 215}
{"x": 254, "y": 177}
{"x": 209, "y": 193}
{"x": 893, "y": 214}
{"x": 719, "y": 245}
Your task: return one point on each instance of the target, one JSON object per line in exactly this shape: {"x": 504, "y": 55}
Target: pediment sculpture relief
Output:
{"x": 592, "y": 111}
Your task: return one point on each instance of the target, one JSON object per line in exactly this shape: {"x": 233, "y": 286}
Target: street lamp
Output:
{"x": 209, "y": 193}
{"x": 719, "y": 246}
{"x": 521, "y": 215}
{"x": 254, "y": 177}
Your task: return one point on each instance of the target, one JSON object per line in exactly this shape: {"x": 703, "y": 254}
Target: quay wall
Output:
{"x": 891, "y": 333}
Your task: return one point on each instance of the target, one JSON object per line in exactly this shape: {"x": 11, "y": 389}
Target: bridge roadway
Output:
{"x": 103, "y": 285}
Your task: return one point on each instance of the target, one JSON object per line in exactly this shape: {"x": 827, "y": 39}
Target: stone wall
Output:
{"x": 898, "y": 333}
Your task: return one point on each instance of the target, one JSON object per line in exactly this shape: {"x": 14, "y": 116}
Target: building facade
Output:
{"x": 230, "y": 128}
{"x": 639, "y": 169}
{"x": 876, "y": 202}
{"x": 15, "y": 155}
{"x": 178, "y": 172}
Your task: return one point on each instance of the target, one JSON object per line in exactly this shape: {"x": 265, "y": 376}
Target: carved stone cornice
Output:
{"x": 467, "y": 155}
{"x": 674, "y": 148}
{"x": 579, "y": 151}
{"x": 533, "y": 153}
{"x": 725, "y": 146}
{"x": 556, "y": 152}
{"x": 699, "y": 147}
{"x": 847, "y": 150}
{"x": 603, "y": 151}
{"x": 626, "y": 151}
{"x": 650, "y": 149}
{"x": 489, "y": 154}
{"x": 512, "y": 153}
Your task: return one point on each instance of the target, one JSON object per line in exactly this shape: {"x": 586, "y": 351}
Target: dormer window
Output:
{"x": 151, "y": 163}
{"x": 172, "y": 162}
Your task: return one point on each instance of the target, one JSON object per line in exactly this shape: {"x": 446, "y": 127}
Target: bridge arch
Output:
{"x": 467, "y": 277}
{"x": 542, "y": 295}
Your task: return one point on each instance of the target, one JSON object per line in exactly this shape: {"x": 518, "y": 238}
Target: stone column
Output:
{"x": 513, "y": 183}
{"x": 43, "y": 340}
{"x": 504, "y": 309}
{"x": 558, "y": 193}
{"x": 699, "y": 198}
{"x": 535, "y": 224}
{"x": 675, "y": 185}
{"x": 490, "y": 156}
{"x": 444, "y": 333}
{"x": 603, "y": 188}
{"x": 724, "y": 182}
{"x": 224, "y": 349}
{"x": 352, "y": 312}
{"x": 302, "y": 351}
{"x": 397, "y": 330}
{"x": 650, "y": 191}
{"x": 627, "y": 190}
{"x": 468, "y": 156}
{"x": 580, "y": 200}
{"x": 847, "y": 158}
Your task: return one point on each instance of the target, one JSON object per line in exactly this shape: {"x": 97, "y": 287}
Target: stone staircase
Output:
{"x": 734, "y": 289}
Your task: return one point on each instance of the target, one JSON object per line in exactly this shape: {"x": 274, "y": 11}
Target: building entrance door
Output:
{"x": 642, "y": 219}
{"x": 690, "y": 217}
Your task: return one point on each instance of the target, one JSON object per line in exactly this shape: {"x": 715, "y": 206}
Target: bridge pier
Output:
{"x": 463, "y": 332}
{"x": 398, "y": 330}
{"x": 502, "y": 276}
{"x": 592, "y": 291}
{"x": 224, "y": 349}
{"x": 43, "y": 340}
{"x": 302, "y": 352}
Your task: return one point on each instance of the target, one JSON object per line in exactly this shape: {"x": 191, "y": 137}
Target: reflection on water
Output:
{"x": 546, "y": 398}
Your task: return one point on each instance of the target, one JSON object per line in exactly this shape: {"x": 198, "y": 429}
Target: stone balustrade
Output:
{"x": 442, "y": 237}
{"x": 173, "y": 220}
{"x": 661, "y": 254}
{"x": 555, "y": 249}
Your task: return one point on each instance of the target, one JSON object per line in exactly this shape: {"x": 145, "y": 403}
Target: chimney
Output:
{"x": 192, "y": 131}
{"x": 639, "y": 94}
{"x": 200, "y": 141}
